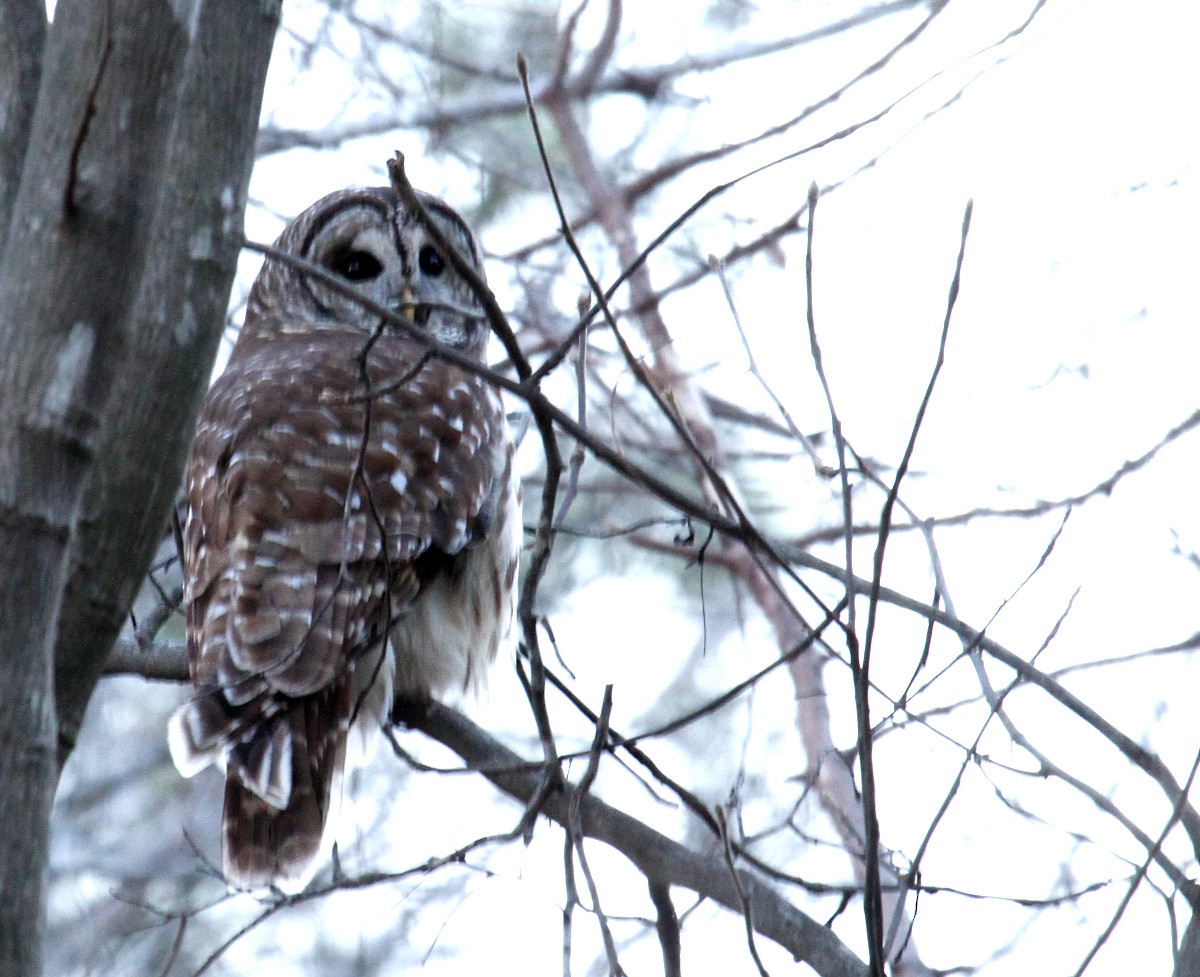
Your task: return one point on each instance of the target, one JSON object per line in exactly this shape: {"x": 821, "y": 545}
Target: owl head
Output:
{"x": 372, "y": 241}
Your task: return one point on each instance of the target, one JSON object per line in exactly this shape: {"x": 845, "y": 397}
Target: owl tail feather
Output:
{"x": 281, "y": 785}
{"x": 200, "y": 731}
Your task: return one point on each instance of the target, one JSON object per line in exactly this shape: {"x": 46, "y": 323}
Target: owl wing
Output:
{"x": 318, "y": 514}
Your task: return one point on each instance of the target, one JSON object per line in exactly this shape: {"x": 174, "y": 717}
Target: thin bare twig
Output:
{"x": 574, "y": 834}
{"x": 859, "y": 659}
{"x": 747, "y": 910}
{"x": 667, "y": 925}
{"x": 1140, "y": 874}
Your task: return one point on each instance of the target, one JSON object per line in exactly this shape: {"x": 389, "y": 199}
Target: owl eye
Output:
{"x": 431, "y": 262}
{"x": 358, "y": 266}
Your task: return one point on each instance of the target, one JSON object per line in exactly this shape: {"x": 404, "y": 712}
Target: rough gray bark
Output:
{"x": 119, "y": 255}
{"x": 174, "y": 327}
{"x": 22, "y": 37}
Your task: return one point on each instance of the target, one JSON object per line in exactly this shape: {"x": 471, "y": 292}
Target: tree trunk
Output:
{"x": 174, "y": 328}
{"x": 120, "y": 251}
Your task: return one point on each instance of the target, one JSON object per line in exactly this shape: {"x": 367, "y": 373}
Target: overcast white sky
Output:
{"x": 1074, "y": 347}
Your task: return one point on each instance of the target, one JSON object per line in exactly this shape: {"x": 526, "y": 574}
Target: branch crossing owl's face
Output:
{"x": 370, "y": 239}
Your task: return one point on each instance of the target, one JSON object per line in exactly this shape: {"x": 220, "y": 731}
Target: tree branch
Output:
{"x": 660, "y": 859}
{"x": 663, "y": 861}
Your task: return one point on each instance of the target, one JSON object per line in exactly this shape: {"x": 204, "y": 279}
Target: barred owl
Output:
{"x": 351, "y": 523}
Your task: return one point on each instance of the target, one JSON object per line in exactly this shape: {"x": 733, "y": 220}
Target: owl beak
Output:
{"x": 407, "y": 307}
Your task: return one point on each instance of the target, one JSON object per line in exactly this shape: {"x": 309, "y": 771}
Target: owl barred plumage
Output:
{"x": 340, "y": 479}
